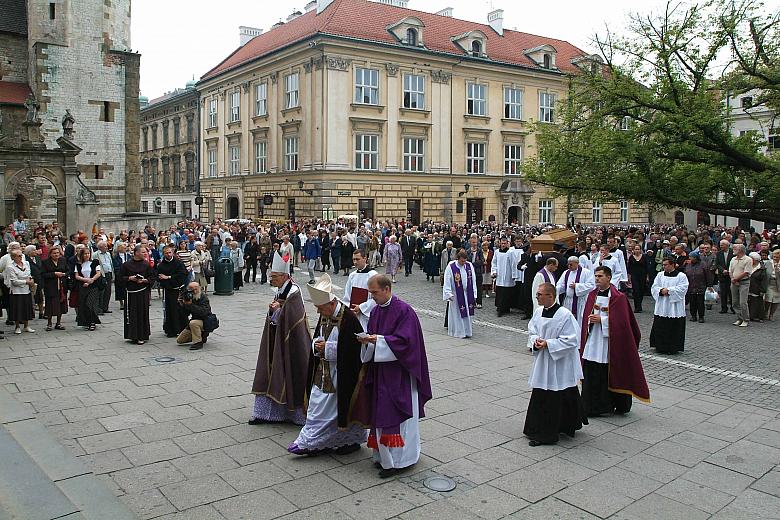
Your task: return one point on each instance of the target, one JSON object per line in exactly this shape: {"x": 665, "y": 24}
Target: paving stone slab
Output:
{"x": 150, "y": 476}
{"x": 108, "y": 441}
{"x": 384, "y": 501}
{"x": 196, "y": 492}
{"x": 44, "y": 449}
{"x": 552, "y": 508}
{"x": 125, "y": 421}
{"x": 747, "y": 457}
{"x": 697, "y": 495}
{"x": 255, "y": 476}
{"x": 257, "y": 505}
{"x": 148, "y": 504}
{"x": 205, "y": 463}
{"x": 489, "y": 502}
{"x": 716, "y": 477}
{"x": 150, "y": 452}
{"x": 94, "y": 500}
{"x": 311, "y": 491}
{"x": 657, "y": 507}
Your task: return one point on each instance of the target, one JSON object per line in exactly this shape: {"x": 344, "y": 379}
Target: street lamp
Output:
{"x": 466, "y": 187}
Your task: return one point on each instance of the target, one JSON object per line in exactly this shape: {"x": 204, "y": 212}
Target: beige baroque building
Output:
{"x": 359, "y": 107}
{"x": 169, "y": 137}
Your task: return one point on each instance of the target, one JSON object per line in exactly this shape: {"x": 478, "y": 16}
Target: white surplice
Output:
{"x": 458, "y": 326}
{"x": 614, "y": 265}
{"x": 581, "y": 290}
{"x": 360, "y": 279}
{"x": 517, "y": 256}
{"x": 558, "y": 366}
{"x": 673, "y": 305}
{"x": 597, "y": 344}
{"x": 321, "y": 430}
{"x": 539, "y": 280}
{"x": 503, "y": 268}
{"x": 409, "y": 454}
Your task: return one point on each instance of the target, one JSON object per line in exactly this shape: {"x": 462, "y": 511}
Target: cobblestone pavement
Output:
{"x": 710, "y": 348}
{"x": 171, "y": 440}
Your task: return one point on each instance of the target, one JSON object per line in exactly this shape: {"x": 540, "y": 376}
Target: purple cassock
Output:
{"x": 385, "y": 399}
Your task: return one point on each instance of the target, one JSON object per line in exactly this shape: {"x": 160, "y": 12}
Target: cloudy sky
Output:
{"x": 182, "y": 39}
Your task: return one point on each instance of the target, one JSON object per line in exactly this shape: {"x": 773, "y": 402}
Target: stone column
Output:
{"x": 132, "y": 133}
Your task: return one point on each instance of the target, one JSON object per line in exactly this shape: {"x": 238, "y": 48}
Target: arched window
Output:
{"x": 547, "y": 61}
{"x": 411, "y": 37}
{"x": 476, "y": 48}
{"x": 679, "y": 218}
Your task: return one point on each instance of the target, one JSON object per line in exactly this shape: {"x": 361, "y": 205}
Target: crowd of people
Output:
{"x": 362, "y": 375}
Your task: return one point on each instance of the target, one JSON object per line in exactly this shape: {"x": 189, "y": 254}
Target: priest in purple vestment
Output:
{"x": 395, "y": 382}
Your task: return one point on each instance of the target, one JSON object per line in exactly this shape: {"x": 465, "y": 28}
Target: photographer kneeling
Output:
{"x": 195, "y": 305}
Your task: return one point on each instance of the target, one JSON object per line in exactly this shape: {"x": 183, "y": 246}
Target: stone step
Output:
{"x": 41, "y": 479}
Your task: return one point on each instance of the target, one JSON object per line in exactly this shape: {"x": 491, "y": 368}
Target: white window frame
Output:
{"x": 261, "y": 99}
{"x": 291, "y": 90}
{"x": 261, "y": 156}
{"x": 624, "y": 211}
{"x": 476, "y": 99}
{"x": 234, "y": 155}
{"x": 546, "y": 107}
{"x": 212, "y": 162}
{"x": 414, "y": 91}
{"x": 212, "y": 112}
{"x": 513, "y": 158}
{"x": 413, "y": 154}
{"x": 624, "y": 123}
{"x": 366, "y": 152}
{"x": 291, "y": 153}
{"x": 513, "y": 103}
{"x": 545, "y": 211}
{"x": 366, "y": 86}
{"x": 475, "y": 157}
{"x": 171, "y": 203}
{"x": 596, "y": 212}
{"x": 235, "y": 106}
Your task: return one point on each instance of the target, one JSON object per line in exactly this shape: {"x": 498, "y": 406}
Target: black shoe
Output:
{"x": 204, "y": 337}
{"x": 255, "y": 422}
{"x": 9, "y": 322}
{"x": 377, "y": 465}
{"x": 387, "y": 473}
{"x": 693, "y": 318}
{"x": 733, "y": 311}
{"x": 723, "y": 311}
{"x": 346, "y": 450}
{"x": 108, "y": 311}
{"x": 196, "y": 346}
{"x": 171, "y": 335}
{"x": 701, "y": 320}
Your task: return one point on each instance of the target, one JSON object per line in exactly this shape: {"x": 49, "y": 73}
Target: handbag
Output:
{"x": 208, "y": 272}
{"x": 211, "y": 323}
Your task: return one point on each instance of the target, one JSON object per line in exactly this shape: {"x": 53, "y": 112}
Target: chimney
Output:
{"x": 295, "y": 14}
{"x": 496, "y": 20}
{"x": 322, "y": 5}
{"x": 447, "y": 11}
{"x": 311, "y": 6}
{"x": 247, "y": 33}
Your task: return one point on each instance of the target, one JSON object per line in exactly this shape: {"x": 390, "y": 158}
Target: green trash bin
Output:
{"x": 223, "y": 277}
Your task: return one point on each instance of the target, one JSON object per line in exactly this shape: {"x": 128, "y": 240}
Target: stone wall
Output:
{"x": 13, "y": 58}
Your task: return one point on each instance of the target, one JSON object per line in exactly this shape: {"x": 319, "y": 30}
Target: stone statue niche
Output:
{"x": 67, "y": 125}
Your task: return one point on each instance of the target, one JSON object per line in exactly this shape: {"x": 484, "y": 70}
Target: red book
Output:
{"x": 358, "y": 296}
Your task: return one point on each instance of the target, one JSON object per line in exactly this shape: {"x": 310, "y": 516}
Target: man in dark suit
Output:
{"x": 722, "y": 260}
{"x": 408, "y": 249}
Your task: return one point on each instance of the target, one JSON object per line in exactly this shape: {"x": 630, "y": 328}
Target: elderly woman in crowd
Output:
{"x": 201, "y": 258}
{"x": 5, "y": 262}
{"x": 33, "y": 256}
{"x": 699, "y": 279}
{"x": 86, "y": 273}
{"x": 237, "y": 257}
{"x": 18, "y": 278}
{"x": 392, "y": 257}
{"x": 55, "y": 276}
{"x": 184, "y": 254}
{"x": 772, "y": 297}
{"x": 759, "y": 282}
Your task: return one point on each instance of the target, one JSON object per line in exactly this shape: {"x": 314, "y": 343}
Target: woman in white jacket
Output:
{"x": 19, "y": 279}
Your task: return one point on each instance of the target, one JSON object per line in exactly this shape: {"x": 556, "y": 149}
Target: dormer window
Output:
{"x": 543, "y": 56}
{"x": 411, "y": 37}
{"x": 408, "y": 31}
{"x": 472, "y": 43}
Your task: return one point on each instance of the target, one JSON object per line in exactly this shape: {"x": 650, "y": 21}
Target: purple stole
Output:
{"x": 548, "y": 278}
{"x": 566, "y": 284}
{"x": 460, "y": 293}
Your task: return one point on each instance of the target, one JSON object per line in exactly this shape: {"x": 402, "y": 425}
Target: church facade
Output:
{"x": 69, "y": 110}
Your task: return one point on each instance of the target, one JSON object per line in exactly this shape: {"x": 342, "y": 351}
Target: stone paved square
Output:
{"x": 170, "y": 439}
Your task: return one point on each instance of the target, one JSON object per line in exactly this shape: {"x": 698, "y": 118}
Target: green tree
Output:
{"x": 651, "y": 124}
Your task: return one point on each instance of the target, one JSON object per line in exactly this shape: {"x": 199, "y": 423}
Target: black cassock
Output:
{"x": 137, "y": 326}
{"x": 175, "y": 319}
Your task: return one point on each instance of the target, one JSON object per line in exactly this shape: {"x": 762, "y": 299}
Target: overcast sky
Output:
{"x": 182, "y": 39}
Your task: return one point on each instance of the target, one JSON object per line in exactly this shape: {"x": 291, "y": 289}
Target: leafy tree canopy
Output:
{"x": 652, "y": 124}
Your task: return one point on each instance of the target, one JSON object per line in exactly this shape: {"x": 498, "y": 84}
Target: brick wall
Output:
{"x": 13, "y": 58}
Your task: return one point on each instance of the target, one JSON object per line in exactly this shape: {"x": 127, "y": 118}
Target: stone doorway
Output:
{"x": 232, "y": 207}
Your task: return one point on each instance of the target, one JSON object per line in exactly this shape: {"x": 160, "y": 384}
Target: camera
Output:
{"x": 187, "y": 295}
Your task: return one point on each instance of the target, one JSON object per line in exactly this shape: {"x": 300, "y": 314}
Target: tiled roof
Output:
{"x": 13, "y": 17}
{"x": 364, "y": 20}
{"x": 13, "y": 93}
